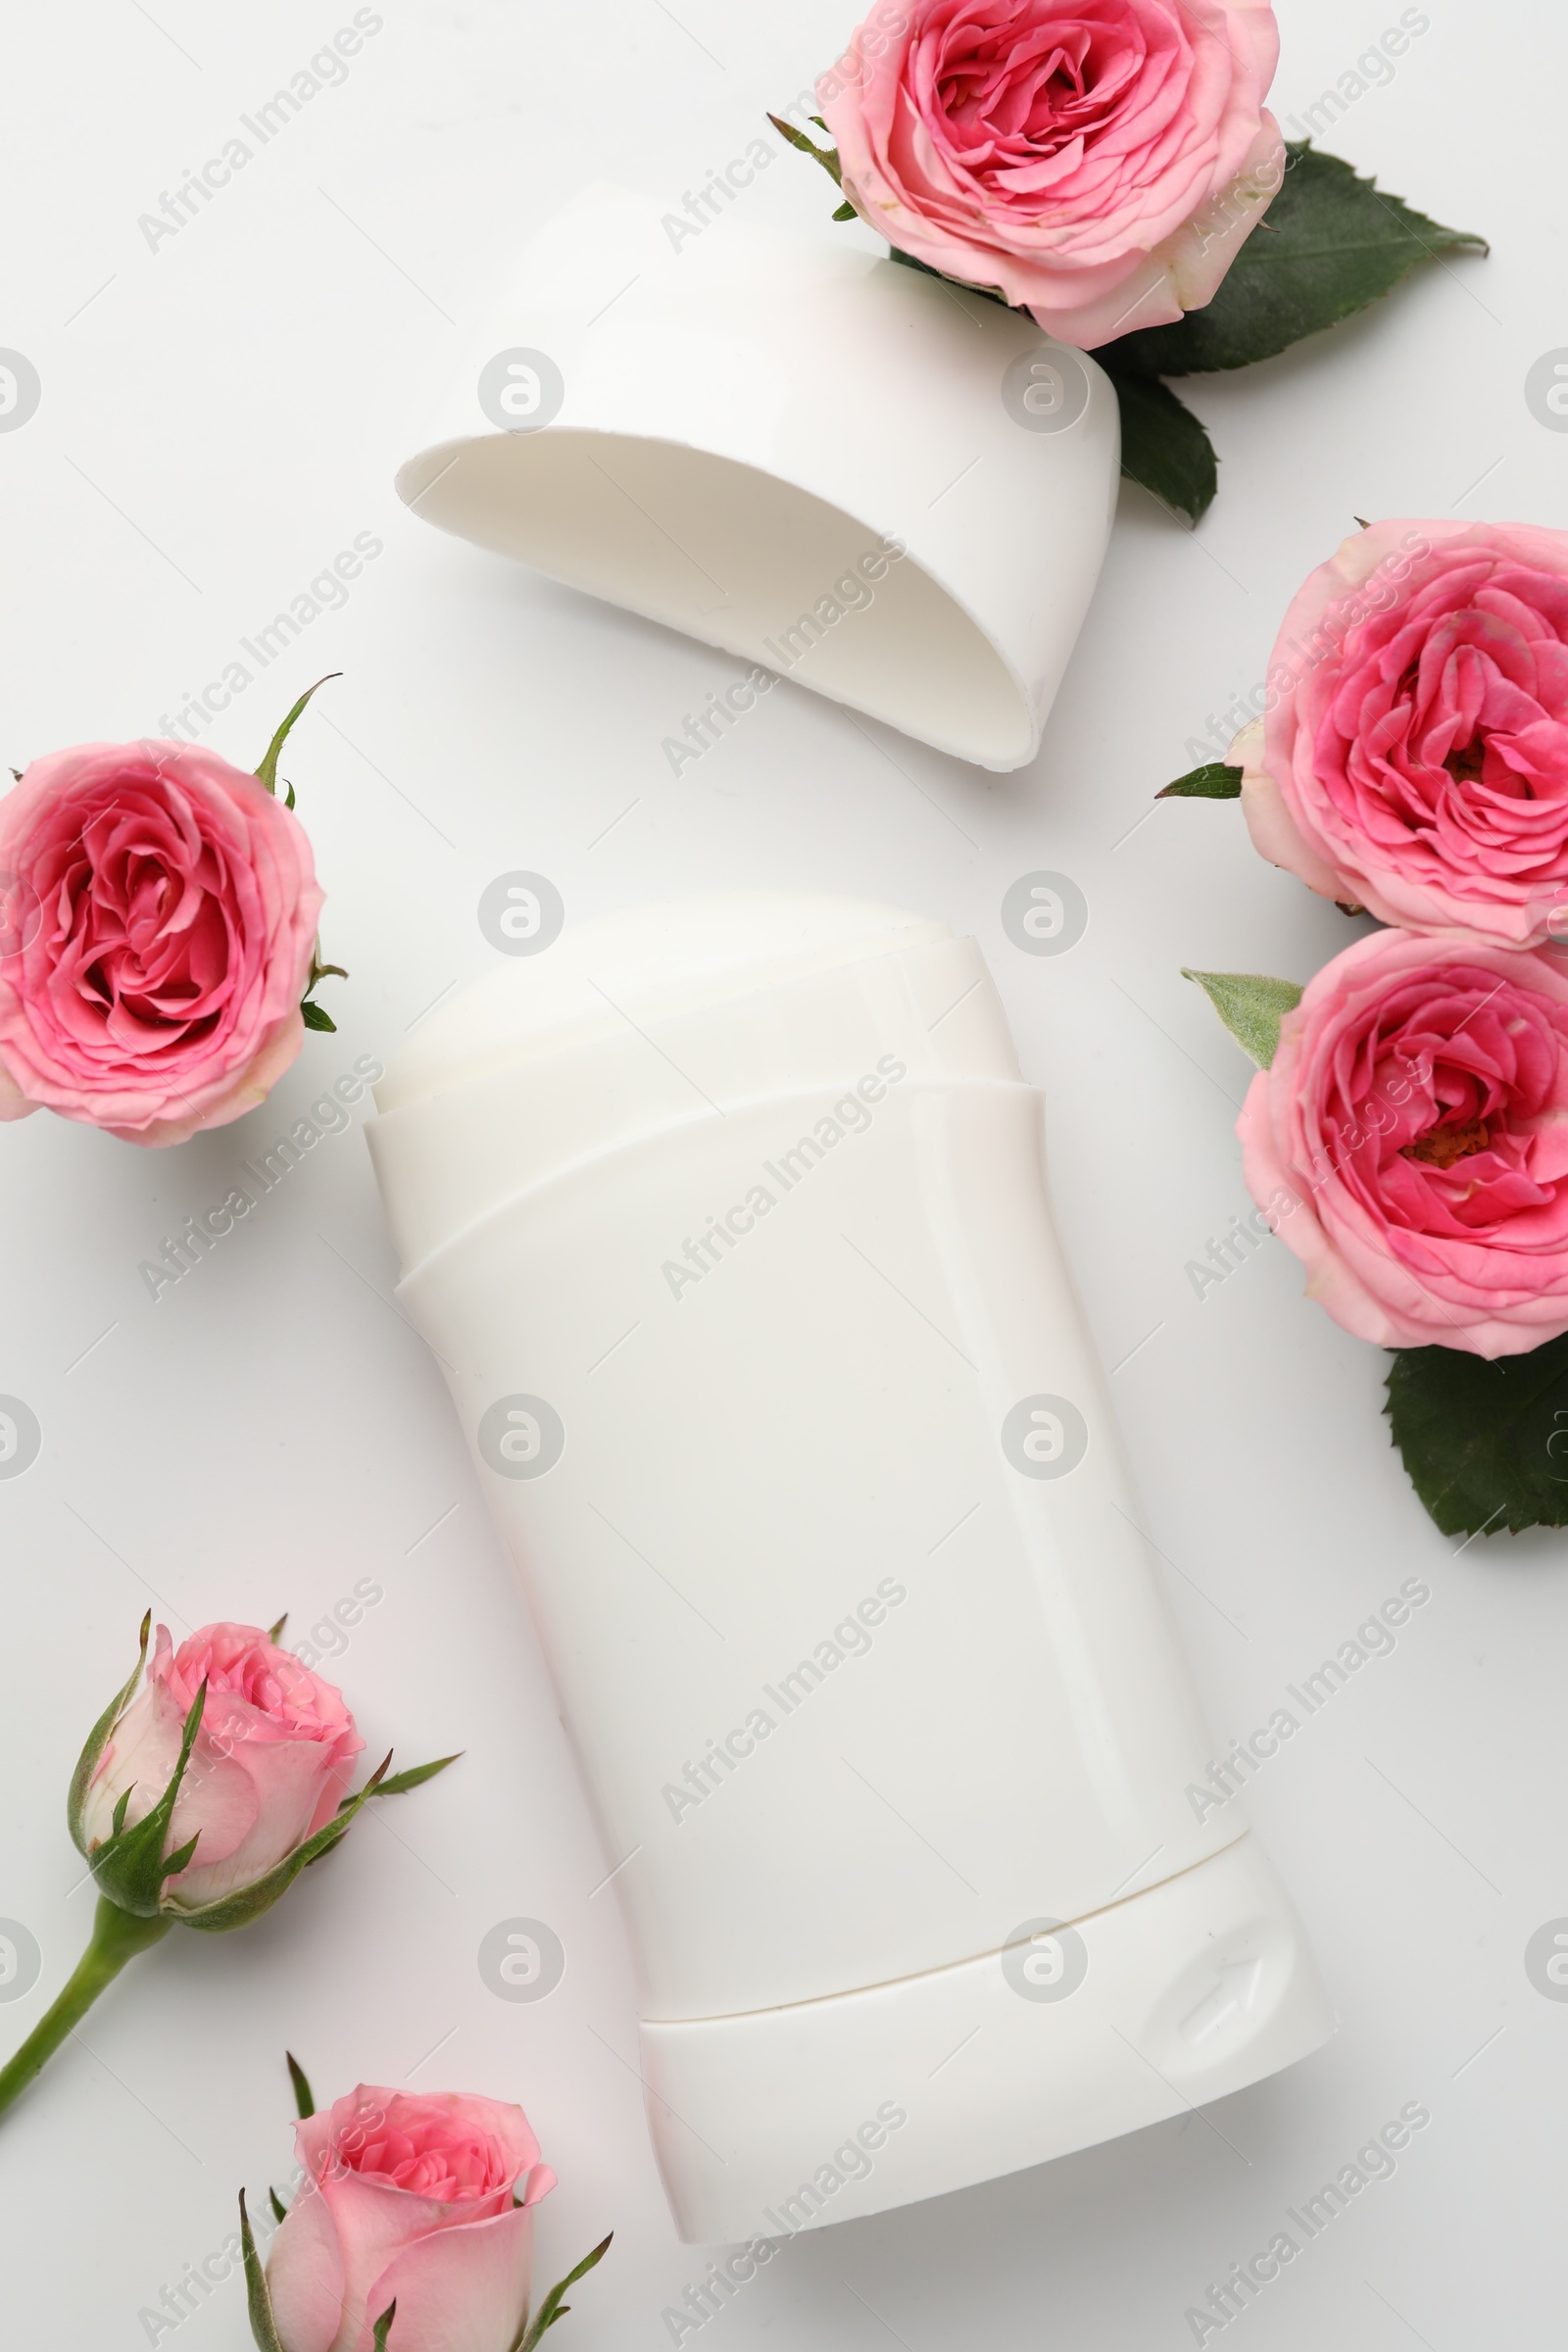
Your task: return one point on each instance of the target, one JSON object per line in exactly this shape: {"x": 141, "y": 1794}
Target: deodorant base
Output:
{"x": 784, "y": 2119}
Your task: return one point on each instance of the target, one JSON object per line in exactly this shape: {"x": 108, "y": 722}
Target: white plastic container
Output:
{"x": 727, "y": 1220}
{"x": 728, "y": 431}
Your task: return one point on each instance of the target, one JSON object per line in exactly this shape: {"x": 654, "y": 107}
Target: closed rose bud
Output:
{"x": 270, "y": 1766}
{"x": 200, "y": 1796}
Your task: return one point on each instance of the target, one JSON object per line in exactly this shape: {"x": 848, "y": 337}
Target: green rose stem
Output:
{"x": 117, "y": 1937}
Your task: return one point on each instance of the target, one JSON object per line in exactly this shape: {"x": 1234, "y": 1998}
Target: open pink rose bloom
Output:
{"x": 270, "y": 1765}
{"x": 1100, "y": 163}
{"x": 1413, "y": 1129}
{"x": 423, "y": 2201}
{"x": 1414, "y": 760}
{"x": 157, "y": 914}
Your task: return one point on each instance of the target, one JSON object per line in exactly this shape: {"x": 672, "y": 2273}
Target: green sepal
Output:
{"x": 279, "y": 2209}
{"x": 1252, "y": 1007}
{"x": 1480, "y": 1440}
{"x": 97, "y": 1739}
{"x": 1215, "y": 781}
{"x": 553, "y": 2308}
{"x": 1164, "y": 448}
{"x": 383, "y": 2327}
{"x": 275, "y": 1632}
{"x": 304, "y": 2096}
{"x": 846, "y": 212}
{"x": 401, "y": 1782}
{"x": 315, "y": 1015}
{"x": 1329, "y": 244}
{"x": 246, "y": 1903}
{"x": 827, "y": 156}
{"x": 131, "y": 1865}
{"x": 267, "y": 774}
{"x": 258, "y": 2302}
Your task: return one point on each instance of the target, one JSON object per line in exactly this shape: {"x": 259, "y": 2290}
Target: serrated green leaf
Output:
{"x": 1485, "y": 1445}
{"x": 553, "y": 2308}
{"x": 304, "y": 2096}
{"x": 88, "y": 1761}
{"x": 267, "y": 774}
{"x": 316, "y": 1017}
{"x": 1164, "y": 446}
{"x": 1214, "y": 782}
{"x": 1252, "y": 1007}
{"x": 383, "y": 2327}
{"x": 1329, "y": 244}
{"x": 258, "y": 2302}
{"x": 827, "y": 156}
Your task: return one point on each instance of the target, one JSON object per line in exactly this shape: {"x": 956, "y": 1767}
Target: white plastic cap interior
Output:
{"x": 807, "y": 454}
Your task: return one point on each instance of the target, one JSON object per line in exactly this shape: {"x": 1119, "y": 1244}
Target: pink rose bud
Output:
{"x": 1409, "y": 1142}
{"x": 1414, "y": 758}
{"x": 423, "y": 2202}
{"x": 200, "y": 1796}
{"x": 270, "y": 1766}
{"x": 158, "y": 914}
{"x": 1102, "y": 166}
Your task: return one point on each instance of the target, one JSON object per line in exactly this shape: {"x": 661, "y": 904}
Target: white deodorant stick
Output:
{"x": 727, "y": 1221}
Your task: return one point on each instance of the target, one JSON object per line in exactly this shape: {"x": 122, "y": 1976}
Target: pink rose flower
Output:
{"x": 1099, "y": 162}
{"x": 1410, "y": 1143}
{"x": 425, "y": 2202}
{"x": 158, "y": 914}
{"x": 1415, "y": 756}
{"x": 271, "y": 1764}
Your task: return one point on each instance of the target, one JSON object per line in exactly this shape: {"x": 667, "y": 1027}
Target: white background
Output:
{"x": 220, "y": 418}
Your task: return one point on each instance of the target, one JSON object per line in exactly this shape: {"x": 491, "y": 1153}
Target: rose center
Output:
{"x": 1466, "y": 765}
{"x": 1441, "y": 1146}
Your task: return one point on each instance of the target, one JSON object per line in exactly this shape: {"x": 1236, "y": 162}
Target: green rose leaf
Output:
{"x": 1485, "y": 1445}
{"x": 1164, "y": 447}
{"x": 944, "y": 277}
{"x": 1329, "y": 244}
{"x": 316, "y": 1017}
{"x": 1252, "y": 1007}
{"x": 1212, "y": 782}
